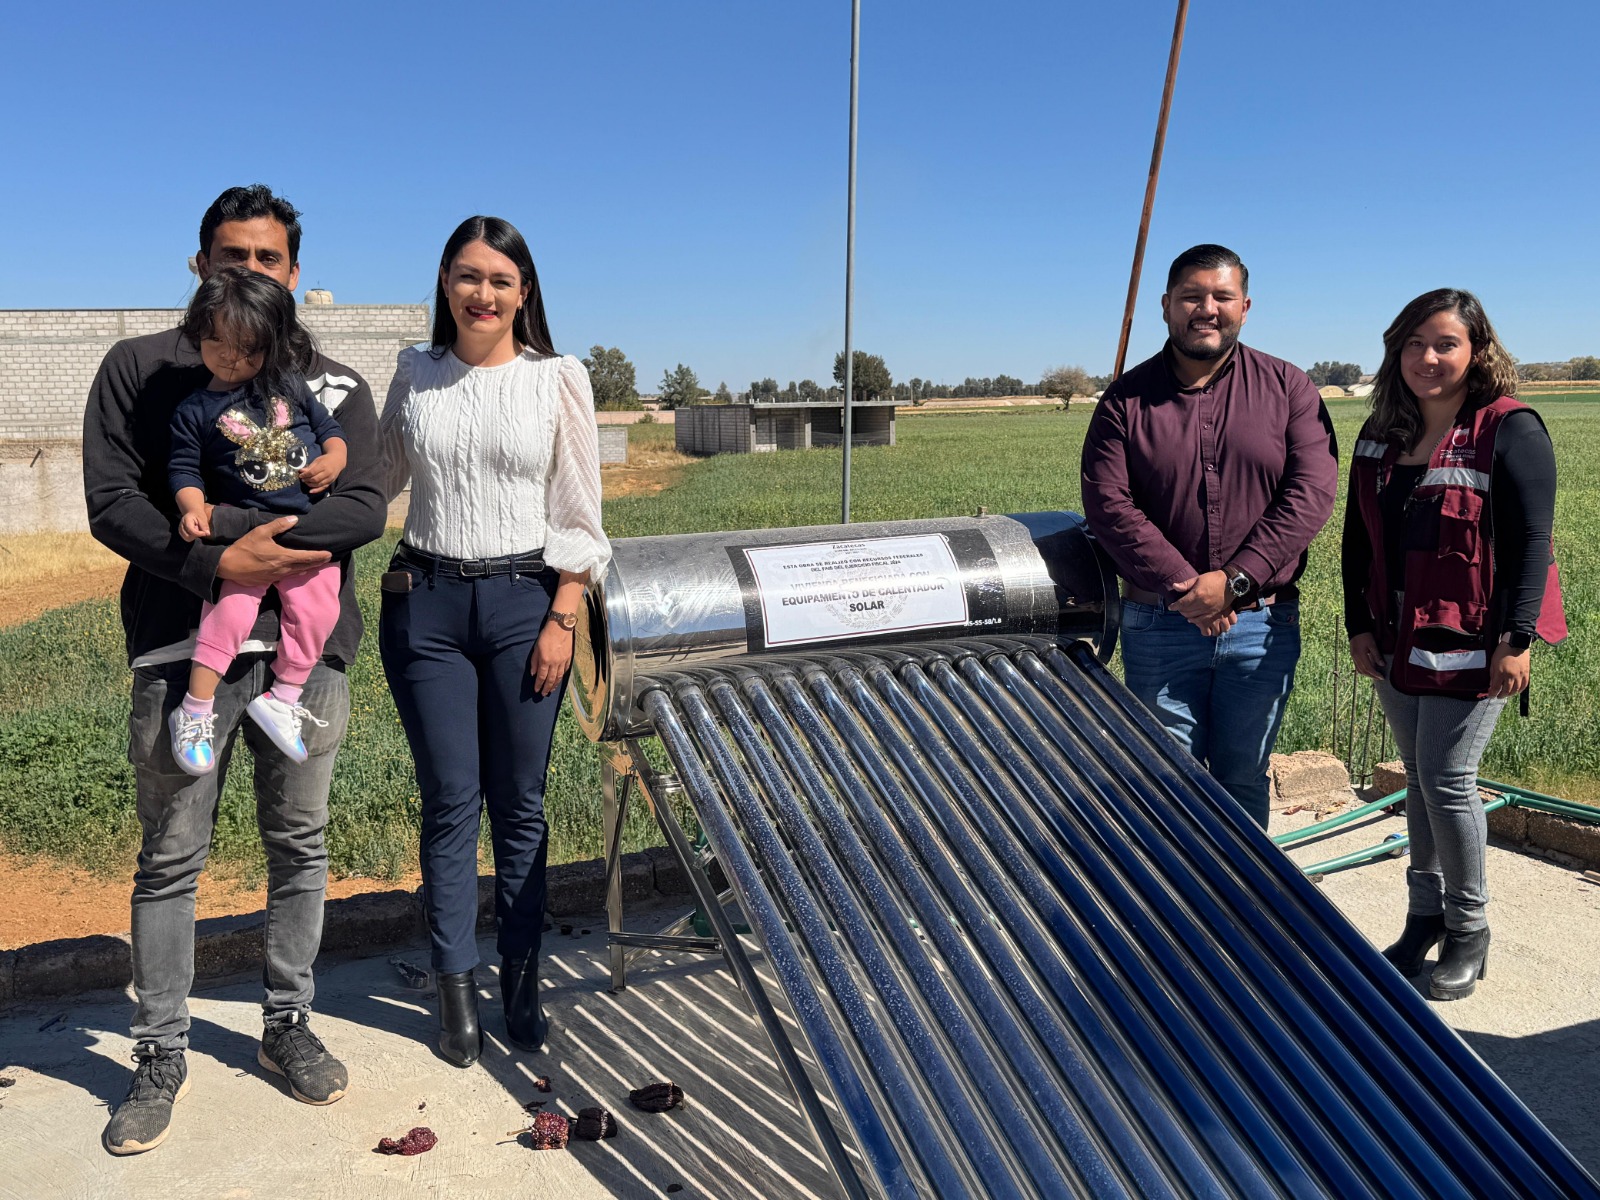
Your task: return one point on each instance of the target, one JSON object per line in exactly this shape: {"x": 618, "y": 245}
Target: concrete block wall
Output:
{"x": 714, "y": 429}
{"x": 48, "y": 361}
{"x": 48, "y": 357}
{"x": 613, "y": 444}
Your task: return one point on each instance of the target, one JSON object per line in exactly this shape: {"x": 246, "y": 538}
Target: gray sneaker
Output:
{"x": 144, "y": 1117}
{"x": 290, "y": 1049}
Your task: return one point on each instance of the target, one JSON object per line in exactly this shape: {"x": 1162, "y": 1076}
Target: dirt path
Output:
{"x": 48, "y": 900}
{"x": 24, "y": 601}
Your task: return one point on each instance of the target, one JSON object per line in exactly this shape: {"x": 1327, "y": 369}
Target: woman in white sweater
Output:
{"x": 496, "y": 434}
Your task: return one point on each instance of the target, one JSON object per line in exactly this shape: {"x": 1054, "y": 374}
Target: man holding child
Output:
{"x": 127, "y": 442}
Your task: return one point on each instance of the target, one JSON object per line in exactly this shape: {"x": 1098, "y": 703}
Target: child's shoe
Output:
{"x": 191, "y": 740}
{"x": 281, "y": 723}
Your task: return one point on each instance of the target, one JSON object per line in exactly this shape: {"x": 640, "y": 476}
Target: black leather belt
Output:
{"x": 529, "y": 563}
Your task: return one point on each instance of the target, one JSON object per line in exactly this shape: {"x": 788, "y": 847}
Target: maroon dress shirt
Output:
{"x": 1180, "y": 481}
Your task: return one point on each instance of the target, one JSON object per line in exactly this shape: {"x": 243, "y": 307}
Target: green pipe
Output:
{"x": 1510, "y": 795}
{"x": 1295, "y": 836}
{"x": 1382, "y": 850}
{"x": 1356, "y": 857}
{"x": 1538, "y": 801}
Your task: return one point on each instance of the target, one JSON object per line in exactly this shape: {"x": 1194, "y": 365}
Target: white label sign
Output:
{"x": 824, "y": 591}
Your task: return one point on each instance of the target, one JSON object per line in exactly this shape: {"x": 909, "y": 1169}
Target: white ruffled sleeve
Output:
{"x": 574, "y": 540}
{"x": 396, "y": 465}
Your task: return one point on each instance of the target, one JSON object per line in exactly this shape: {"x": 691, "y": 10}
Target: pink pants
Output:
{"x": 310, "y": 607}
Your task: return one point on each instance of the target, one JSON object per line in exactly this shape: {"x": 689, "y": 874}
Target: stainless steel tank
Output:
{"x": 674, "y": 602}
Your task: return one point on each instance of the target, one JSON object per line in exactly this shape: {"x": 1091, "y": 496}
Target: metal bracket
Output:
{"x": 622, "y": 765}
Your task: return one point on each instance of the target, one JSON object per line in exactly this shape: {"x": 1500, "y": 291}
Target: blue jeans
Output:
{"x": 177, "y": 814}
{"x": 456, "y": 654}
{"x": 1222, "y": 697}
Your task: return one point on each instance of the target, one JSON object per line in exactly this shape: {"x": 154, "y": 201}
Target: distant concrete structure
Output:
{"x": 613, "y": 444}
{"x": 754, "y": 428}
{"x": 1361, "y": 390}
{"x": 1331, "y": 392}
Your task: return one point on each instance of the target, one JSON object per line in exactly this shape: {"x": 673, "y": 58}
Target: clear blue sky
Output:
{"x": 679, "y": 167}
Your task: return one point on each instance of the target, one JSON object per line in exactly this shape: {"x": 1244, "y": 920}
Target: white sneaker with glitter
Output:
{"x": 191, "y": 740}
{"x": 281, "y": 722}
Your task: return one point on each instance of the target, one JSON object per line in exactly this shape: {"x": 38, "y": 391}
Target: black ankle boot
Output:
{"x": 460, "y": 1036}
{"x": 526, "y": 1024}
{"x": 1420, "y": 935}
{"x": 1463, "y": 961}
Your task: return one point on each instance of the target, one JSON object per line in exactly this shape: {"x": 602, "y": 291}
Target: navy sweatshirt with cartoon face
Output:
{"x": 243, "y": 451}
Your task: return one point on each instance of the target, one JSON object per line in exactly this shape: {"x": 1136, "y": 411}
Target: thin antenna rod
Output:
{"x": 850, "y": 251}
{"x": 1150, "y": 187}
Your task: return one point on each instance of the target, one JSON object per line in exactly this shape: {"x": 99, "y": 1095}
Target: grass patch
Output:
{"x": 28, "y": 558}
{"x": 66, "y": 788}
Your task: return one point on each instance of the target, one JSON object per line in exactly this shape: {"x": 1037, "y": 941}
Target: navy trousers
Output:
{"x": 456, "y": 653}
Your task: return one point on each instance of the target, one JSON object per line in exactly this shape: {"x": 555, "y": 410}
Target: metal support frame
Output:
{"x": 628, "y": 762}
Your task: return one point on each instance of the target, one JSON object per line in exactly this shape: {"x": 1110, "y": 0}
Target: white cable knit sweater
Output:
{"x": 502, "y": 460}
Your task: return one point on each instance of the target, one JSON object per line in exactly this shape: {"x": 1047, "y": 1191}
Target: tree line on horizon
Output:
{"x": 615, "y": 385}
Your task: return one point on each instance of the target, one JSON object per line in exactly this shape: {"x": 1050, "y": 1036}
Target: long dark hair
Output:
{"x": 1396, "y": 416}
{"x": 259, "y": 313}
{"x": 530, "y": 327}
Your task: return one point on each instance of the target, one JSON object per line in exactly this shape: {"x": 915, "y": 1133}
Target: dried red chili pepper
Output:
{"x": 549, "y": 1131}
{"x": 593, "y": 1124}
{"x": 656, "y": 1097}
{"x": 417, "y": 1141}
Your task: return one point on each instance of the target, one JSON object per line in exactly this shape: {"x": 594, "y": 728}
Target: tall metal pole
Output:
{"x": 850, "y": 250}
{"x": 1150, "y": 187}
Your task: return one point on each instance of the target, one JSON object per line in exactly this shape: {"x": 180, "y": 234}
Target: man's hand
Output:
{"x": 195, "y": 525}
{"x": 1508, "y": 671}
{"x": 1212, "y": 626}
{"x": 256, "y": 559}
{"x": 1207, "y": 600}
{"x": 1364, "y": 653}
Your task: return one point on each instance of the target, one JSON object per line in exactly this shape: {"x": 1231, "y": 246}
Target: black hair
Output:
{"x": 260, "y": 314}
{"x": 1208, "y": 256}
{"x": 246, "y": 204}
{"x": 530, "y": 327}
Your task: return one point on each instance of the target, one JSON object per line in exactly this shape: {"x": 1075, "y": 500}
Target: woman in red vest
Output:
{"x": 1448, "y": 579}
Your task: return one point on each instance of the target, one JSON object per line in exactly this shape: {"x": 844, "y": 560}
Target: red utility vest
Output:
{"x": 1443, "y": 640}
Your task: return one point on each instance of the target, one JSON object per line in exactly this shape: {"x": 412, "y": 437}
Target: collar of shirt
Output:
{"x": 1222, "y": 372}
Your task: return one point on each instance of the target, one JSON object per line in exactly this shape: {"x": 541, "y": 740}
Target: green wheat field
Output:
{"x": 66, "y": 789}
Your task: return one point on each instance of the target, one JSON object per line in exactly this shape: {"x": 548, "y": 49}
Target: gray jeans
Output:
{"x": 177, "y": 813}
{"x": 1441, "y": 741}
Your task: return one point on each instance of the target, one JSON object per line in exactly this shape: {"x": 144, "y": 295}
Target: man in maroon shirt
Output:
{"x": 1207, "y": 470}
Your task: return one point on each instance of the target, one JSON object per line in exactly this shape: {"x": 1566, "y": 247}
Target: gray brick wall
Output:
{"x": 48, "y": 357}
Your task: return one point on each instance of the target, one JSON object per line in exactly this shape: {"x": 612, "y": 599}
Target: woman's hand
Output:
{"x": 1364, "y": 653}
{"x": 552, "y": 655}
{"x": 1508, "y": 671}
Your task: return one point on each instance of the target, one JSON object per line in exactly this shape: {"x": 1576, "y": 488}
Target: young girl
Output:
{"x": 254, "y": 437}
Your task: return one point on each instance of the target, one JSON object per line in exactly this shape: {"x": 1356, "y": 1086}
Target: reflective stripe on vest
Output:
{"x": 1448, "y": 660}
{"x": 1455, "y": 477}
